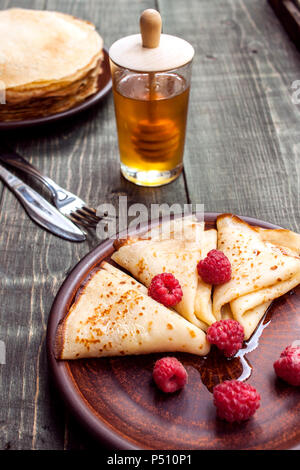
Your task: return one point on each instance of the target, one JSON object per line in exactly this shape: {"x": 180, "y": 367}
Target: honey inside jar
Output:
{"x": 151, "y": 112}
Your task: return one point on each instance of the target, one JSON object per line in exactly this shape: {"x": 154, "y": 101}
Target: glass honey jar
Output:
{"x": 151, "y": 75}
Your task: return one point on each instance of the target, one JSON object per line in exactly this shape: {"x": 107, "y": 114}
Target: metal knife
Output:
{"x": 40, "y": 210}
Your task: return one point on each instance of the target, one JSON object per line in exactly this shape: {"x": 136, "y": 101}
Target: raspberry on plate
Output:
{"x": 215, "y": 268}
{"x": 169, "y": 374}
{"x": 165, "y": 288}
{"x": 227, "y": 335}
{"x": 287, "y": 367}
{"x": 235, "y": 401}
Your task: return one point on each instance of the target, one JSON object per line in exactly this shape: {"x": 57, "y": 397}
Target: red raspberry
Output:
{"x": 235, "y": 401}
{"x": 169, "y": 374}
{"x": 215, "y": 268}
{"x": 165, "y": 289}
{"x": 287, "y": 367}
{"x": 227, "y": 335}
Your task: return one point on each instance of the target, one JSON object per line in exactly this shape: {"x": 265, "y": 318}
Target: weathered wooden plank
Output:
{"x": 19, "y": 326}
{"x": 18, "y": 330}
{"x": 288, "y": 13}
{"x": 243, "y": 139}
{"x": 81, "y": 155}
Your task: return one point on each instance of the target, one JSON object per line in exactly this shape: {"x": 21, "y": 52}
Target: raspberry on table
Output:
{"x": 287, "y": 367}
{"x": 215, "y": 268}
{"x": 169, "y": 374}
{"x": 235, "y": 401}
{"x": 165, "y": 288}
{"x": 227, "y": 335}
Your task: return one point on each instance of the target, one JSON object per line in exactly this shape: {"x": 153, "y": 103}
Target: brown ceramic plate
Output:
{"x": 116, "y": 400}
{"x": 104, "y": 87}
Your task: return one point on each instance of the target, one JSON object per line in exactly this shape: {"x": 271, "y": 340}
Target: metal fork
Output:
{"x": 66, "y": 202}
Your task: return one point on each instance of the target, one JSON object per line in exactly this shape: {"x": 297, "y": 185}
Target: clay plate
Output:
{"x": 104, "y": 87}
{"x": 116, "y": 400}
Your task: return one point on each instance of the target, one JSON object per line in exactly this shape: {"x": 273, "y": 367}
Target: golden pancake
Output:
{"x": 265, "y": 265}
{"x": 114, "y": 316}
{"x": 49, "y": 62}
{"x": 17, "y": 96}
{"x": 42, "y": 47}
{"x": 53, "y": 102}
{"x": 178, "y": 252}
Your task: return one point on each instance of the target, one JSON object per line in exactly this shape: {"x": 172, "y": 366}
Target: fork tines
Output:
{"x": 85, "y": 216}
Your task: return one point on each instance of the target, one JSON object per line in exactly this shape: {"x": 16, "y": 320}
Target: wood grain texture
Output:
{"x": 242, "y": 155}
{"x": 81, "y": 155}
{"x": 288, "y": 12}
{"x": 242, "y": 151}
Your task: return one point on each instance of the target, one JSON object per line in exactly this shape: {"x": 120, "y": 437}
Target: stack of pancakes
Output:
{"x": 49, "y": 62}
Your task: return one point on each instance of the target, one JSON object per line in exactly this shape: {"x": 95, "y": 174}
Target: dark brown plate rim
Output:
{"x": 105, "y": 88}
{"x": 59, "y": 369}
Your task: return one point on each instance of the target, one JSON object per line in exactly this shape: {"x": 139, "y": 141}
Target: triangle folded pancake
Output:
{"x": 284, "y": 238}
{"x": 265, "y": 265}
{"x": 114, "y": 316}
{"x": 175, "y": 248}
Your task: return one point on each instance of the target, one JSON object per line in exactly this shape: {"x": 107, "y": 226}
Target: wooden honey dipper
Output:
{"x": 154, "y": 138}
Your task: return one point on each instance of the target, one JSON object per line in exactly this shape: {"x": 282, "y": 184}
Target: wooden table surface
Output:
{"x": 242, "y": 156}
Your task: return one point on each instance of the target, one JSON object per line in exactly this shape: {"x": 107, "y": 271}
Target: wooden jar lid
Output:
{"x": 151, "y": 51}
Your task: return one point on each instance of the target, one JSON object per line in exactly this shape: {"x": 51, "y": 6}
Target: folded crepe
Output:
{"x": 114, "y": 316}
{"x": 174, "y": 247}
{"x": 265, "y": 265}
{"x": 49, "y": 62}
